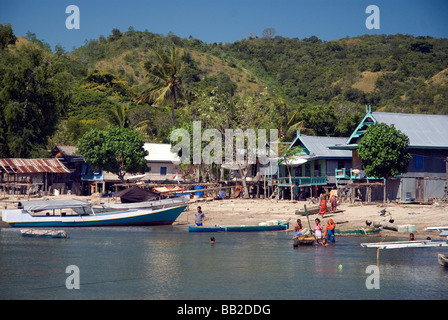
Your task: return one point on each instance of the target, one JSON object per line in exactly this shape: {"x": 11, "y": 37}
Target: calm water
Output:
{"x": 171, "y": 263}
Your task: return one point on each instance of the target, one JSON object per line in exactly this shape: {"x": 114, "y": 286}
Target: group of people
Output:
{"x": 321, "y": 234}
{"x": 324, "y": 197}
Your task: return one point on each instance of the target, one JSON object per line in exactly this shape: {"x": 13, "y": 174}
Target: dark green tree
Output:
{"x": 35, "y": 89}
{"x": 383, "y": 151}
{"x": 7, "y": 37}
{"x": 117, "y": 150}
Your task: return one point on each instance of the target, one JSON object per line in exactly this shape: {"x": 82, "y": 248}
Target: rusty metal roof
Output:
{"x": 18, "y": 165}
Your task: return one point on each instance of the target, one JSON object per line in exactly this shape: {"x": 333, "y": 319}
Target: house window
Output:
{"x": 418, "y": 162}
{"x": 317, "y": 169}
{"x": 162, "y": 171}
{"x": 308, "y": 169}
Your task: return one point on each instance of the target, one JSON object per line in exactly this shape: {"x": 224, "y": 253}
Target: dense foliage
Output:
{"x": 35, "y": 88}
{"x": 383, "y": 151}
{"x": 117, "y": 150}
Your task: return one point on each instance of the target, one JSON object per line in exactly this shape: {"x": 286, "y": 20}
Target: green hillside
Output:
{"x": 392, "y": 73}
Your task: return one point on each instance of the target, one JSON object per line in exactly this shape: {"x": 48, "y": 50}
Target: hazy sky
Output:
{"x": 224, "y": 20}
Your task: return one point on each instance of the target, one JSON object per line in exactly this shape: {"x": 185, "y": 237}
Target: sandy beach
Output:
{"x": 351, "y": 216}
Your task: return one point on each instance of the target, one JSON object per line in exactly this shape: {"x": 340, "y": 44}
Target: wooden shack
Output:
{"x": 30, "y": 176}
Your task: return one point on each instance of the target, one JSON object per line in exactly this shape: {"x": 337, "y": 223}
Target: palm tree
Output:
{"x": 119, "y": 116}
{"x": 164, "y": 76}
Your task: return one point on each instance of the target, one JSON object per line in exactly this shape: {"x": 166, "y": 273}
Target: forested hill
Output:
{"x": 316, "y": 86}
{"x": 399, "y": 73}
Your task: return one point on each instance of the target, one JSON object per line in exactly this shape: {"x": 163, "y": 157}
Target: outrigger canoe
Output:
{"x": 242, "y": 228}
{"x": 358, "y": 232}
{"x": 405, "y": 244}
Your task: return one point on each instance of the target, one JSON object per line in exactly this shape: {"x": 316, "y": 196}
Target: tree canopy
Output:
{"x": 35, "y": 88}
{"x": 383, "y": 151}
{"x": 117, "y": 150}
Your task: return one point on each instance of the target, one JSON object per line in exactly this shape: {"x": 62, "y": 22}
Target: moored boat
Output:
{"x": 443, "y": 260}
{"x": 43, "y": 233}
{"x": 241, "y": 228}
{"x": 358, "y": 232}
{"x": 76, "y": 213}
{"x": 309, "y": 240}
{"x": 405, "y": 244}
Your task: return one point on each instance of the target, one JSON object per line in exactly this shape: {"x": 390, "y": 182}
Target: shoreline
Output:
{"x": 352, "y": 216}
{"x": 253, "y": 211}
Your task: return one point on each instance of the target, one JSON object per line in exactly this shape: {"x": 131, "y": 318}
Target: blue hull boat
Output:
{"x": 75, "y": 213}
{"x": 278, "y": 227}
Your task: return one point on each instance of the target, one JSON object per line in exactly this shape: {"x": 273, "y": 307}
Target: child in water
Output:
{"x": 318, "y": 230}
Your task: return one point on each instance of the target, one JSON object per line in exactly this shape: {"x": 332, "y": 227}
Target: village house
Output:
{"x": 85, "y": 180}
{"x": 427, "y": 173}
{"x": 161, "y": 163}
{"x": 33, "y": 176}
{"x": 314, "y": 167}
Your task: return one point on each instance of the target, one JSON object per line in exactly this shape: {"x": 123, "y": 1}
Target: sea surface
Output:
{"x": 169, "y": 263}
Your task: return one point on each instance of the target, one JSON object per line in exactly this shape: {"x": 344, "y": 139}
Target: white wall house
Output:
{"x": 161, "y": 162}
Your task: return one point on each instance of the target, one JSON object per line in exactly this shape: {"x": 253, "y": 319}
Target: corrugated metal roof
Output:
{"x": 18, "y": 165}
{"x": 318, "y": 146}
{"x": 423, "y": 130}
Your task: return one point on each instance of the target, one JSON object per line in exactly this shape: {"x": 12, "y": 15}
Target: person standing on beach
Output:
{"x": 334, "y": 199}
{"x": 200, "y": 217}
{"x": 323, "y": 202}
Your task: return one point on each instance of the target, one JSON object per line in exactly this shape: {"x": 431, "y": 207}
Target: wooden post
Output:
{"x": 369, "y": 194}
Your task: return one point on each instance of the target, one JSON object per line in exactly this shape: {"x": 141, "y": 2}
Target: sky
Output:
{"x": 223, "y": 21}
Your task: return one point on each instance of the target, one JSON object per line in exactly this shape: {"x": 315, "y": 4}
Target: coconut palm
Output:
{"x": 119, "y": 116}
{"x": 164, "y": 74}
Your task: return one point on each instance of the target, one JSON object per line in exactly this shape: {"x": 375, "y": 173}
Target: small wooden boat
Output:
{"x": 242, "y": 228}
{"x": 443, "y": 260}
{"x": 304, "y": 241}
{"x": 311, "y": 210}
{"x": 405, "y": 244}
{"x": 358, "y": 232}
{"x": 43, "y": 233}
